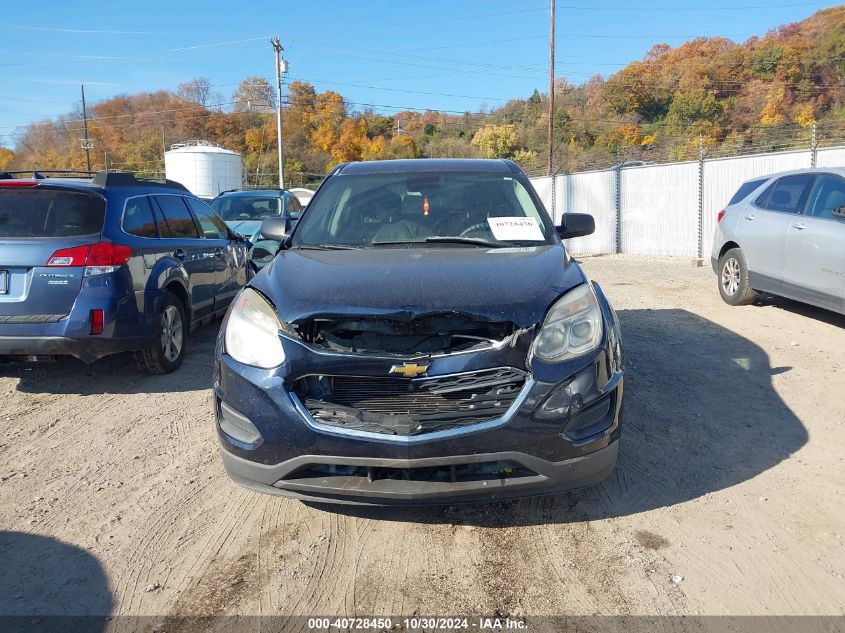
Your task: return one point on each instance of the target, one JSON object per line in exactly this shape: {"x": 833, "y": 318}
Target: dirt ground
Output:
{"x": 728, "y": 498}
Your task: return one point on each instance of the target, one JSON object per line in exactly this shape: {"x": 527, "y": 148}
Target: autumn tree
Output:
{"x": 6, "y": 156}
{"x": 496, "y": 141}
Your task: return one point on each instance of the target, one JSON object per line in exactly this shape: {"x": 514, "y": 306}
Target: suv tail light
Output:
{"x": 99, "y": 258}
{"x": 720, "y": 216}
{"x": 76, "y": 256}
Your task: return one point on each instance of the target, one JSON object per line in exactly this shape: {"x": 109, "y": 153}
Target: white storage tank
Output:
{"x": 303, "y": 195}
{"x": 205, "y": 168}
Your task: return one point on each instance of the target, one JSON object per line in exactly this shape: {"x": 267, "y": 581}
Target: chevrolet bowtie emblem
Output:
{"x": 408, "y": 370}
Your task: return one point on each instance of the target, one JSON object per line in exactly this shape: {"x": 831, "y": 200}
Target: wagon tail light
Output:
{"x": 720, "y": 216}
{"x": 99, "y": 258}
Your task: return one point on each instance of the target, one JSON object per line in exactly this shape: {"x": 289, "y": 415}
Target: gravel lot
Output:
{"x": 728, "y": 498}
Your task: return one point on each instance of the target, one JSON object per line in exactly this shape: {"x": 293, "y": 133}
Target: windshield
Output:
{"x": 395, "y": 209}
{"x": 233, "y": 208}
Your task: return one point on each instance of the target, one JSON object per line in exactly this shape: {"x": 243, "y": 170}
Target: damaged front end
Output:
{"x": 407, "y": 401}
{"x": 433, "y": 334}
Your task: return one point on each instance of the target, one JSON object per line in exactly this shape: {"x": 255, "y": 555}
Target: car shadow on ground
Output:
{"x": 47, "y": 585}
{"x": 802, "y": 309}
{"x": 701, "y": 415}
{"x": 118, "y": 373}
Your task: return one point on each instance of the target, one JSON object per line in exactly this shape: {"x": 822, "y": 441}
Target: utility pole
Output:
{"x": 86, "y": 144}
{"x": 551, "y": 88}
{"x": 277, "y": 47}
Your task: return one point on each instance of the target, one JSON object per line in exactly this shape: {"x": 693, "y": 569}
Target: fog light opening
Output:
{"x": 238, "y": 429}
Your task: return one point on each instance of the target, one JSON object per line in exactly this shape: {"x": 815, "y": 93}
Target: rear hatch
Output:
{"x": 36, "y": 221}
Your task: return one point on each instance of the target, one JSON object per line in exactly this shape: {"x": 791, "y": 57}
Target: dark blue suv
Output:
{"x": 110, "y": 263}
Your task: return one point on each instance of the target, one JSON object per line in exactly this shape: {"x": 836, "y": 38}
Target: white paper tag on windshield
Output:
{"x": 516, "y": 228}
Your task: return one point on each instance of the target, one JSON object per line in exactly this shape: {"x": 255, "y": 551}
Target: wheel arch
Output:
{"x": 173, "y": 279}
{"x": 730, "y": 244}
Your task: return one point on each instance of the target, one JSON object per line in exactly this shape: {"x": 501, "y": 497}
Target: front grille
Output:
{"x": 447, "y": 473}
{"x": 401, "y": 406}
{"x": 31, "y": 318}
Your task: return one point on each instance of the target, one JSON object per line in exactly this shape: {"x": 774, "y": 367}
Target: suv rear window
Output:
{"x": 36, "y": 212}
{"x": 745, "y": 189}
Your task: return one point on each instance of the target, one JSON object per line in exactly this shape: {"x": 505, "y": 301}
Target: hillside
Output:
{"x": 709, "y": 93}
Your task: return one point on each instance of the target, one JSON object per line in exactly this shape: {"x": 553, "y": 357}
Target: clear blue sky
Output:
{"x": 452, "y": 55}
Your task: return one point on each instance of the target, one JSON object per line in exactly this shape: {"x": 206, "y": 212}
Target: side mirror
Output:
{"x": 275, "y": 228}
{"x": 576, "y": 225}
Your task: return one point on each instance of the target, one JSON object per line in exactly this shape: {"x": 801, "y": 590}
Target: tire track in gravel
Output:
{"x": 139, "y": 564}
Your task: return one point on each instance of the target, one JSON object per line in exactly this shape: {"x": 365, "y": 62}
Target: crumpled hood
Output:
{"x": 248, "y": 228}
{"x": 504, "y": 284}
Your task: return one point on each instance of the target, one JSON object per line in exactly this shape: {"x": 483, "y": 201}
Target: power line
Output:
{"x": 695, "y": 8}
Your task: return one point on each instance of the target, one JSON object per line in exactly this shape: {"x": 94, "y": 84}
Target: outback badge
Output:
{"x": 408, "y": 370}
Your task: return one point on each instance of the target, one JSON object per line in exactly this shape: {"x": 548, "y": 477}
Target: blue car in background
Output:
{"x": 245, "y": 211}
{"x": 110, "y": 263}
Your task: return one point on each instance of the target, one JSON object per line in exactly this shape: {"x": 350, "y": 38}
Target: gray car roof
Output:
{"x": 810, "y": 170}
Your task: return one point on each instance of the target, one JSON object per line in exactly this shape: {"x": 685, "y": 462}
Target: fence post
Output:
{"x": 700, "y": 200}
{"x": 814, "y": 145}
{"x": 618, "y": 207}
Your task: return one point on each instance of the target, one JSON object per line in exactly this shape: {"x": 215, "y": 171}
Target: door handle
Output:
{"x": 800, "y": 226}
{"x": 179, "y": 254}
{"x": 749, "y": 216}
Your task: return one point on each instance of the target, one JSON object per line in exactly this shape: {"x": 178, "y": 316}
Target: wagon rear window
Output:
{"x": 37, "y": 213}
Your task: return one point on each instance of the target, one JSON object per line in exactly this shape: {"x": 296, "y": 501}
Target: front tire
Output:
{"x": 733, "y": 279}
{"x": 171, "y": 338}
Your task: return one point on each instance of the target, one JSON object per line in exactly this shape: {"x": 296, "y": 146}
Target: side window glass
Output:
{"x": 828, "y": 194}
{"x": 787, "y": 194}
{"x": 213, "y": 228}
{"x": 138, "y": 218}
{"x": 179, "y": 220}
{"x": 745, "y": 189}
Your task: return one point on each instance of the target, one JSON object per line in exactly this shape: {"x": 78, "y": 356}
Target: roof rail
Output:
{"x": 41, "y": 174}
{"x": 128, "y": 179}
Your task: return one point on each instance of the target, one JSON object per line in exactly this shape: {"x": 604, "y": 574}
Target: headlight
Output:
{"x": 573, "y": 326}
{"x": 252, "y": 332}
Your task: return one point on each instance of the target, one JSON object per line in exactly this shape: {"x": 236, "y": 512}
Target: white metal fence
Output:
{"x": 665, "y": 209}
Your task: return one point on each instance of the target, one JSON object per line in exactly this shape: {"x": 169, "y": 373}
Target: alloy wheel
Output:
{"x": 730, "y": 276}
{"x": 172, "y": 335}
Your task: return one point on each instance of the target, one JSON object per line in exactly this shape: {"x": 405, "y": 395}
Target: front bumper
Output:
{"x": 294, "y": 479}
{"x": 548, "y": 441}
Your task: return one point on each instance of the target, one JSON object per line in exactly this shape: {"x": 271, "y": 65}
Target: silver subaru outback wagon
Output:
{"x": 784, "y": 234}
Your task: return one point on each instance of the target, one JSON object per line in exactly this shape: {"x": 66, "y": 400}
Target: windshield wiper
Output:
{"x": 326, "y": 247}
{"x": 477, "y": 241}
{"x": 437, "y": 239}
